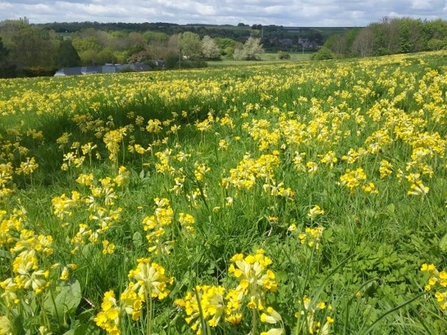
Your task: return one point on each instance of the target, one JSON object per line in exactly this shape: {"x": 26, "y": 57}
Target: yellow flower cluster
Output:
{"x": 354, "y": 178}
{"x": 249, "y": 169}
{"x": 155, "y": 225}
{"x": 213, "y": 303}
{"x": 98, "y": 204}
{"x": 438, "y": 281}
{"x": 109, "y": 317}
{"x": 6, "y": 176}
{"x": 148, "y": 281}
{"x": 204, "y": 303}
{"x": 254, "y": 277}
{"x": 187, "y": 221}
{"x": 311, "y": 237}
{"x": 28, "y": 251}
{"x": 112, "y": 140}
{"x": 313, "y": 312}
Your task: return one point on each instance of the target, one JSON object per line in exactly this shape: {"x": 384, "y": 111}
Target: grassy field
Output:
{"x": 290, "y": 198}
{"x": 266, "y": 58}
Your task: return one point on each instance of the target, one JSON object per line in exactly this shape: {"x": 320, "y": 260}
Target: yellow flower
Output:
{"x": 108, "y": 318}
{"x": 272, "y": 317}
{"x": 418, "y": 188}
{"x": 385, "y": 169}
{"x": 206, "y": 302}
{"x": 131, "y": 301}
{"x": 108, "y": 248}
{"x": 274, "y": 331}
{"x": 352, "y": 178}
{"x": 314, "y": 212}
{"x": 428, "y": 268}
{"x": 5, "y": 326}
{"x": 254, "y": 277}
{"x": 151, "y": 279}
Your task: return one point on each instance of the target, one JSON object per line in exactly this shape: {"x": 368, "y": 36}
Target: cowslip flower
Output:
{"x": 353, "y": 178}
{"x": 437, "y": 281}
{"x": 109, "y": 316}
{"x": 5, "y": 326}
{"x": 205, "y": 302}
{"x": 254, "y": 277}
{"x": 150, "y": 279}
{"x": 314, "y": 212}
{"x": 132, "y": 301}
{"x": 273, "y": 317}
{"x": 311, "y": 236}
{"x": 314, "y": 313}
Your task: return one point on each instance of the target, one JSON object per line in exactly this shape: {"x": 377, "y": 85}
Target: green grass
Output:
{"x": 249, "y": 152}
{"x": 266, "y": 58}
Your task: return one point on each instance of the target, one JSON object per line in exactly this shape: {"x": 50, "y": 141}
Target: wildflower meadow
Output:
{"x": 296, "y": 198}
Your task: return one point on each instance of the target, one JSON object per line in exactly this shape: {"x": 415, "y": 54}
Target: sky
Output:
{"x": 297, "y": 13}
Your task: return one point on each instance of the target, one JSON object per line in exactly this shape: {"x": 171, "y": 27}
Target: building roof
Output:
{"x": 108, "y": 68}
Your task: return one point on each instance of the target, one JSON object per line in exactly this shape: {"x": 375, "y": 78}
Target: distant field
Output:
{"x": 266, "y": 58}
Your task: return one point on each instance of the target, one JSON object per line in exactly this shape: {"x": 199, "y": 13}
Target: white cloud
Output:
{"x": 280, "y": 12}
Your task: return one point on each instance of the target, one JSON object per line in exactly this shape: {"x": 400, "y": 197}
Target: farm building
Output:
{"x": 108, "y": 68}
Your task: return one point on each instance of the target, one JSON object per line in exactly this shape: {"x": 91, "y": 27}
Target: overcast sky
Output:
{"x": 304, "y": 13}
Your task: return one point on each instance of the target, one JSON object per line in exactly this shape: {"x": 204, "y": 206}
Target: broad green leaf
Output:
{"x": 137, "y": 239}
{"x": 390, "y": 209}
{"x": 66, "y": 301}
{"x": 443, "y": 243}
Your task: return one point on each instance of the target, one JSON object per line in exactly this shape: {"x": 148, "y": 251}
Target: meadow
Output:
{"x": 265, "y": 58}
{"x": 291, "y": 198}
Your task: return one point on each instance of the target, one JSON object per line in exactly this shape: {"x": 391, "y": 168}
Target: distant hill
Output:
{"x": 274, "y": 37}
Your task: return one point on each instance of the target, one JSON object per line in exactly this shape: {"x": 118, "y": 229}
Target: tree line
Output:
{"x": 30, "y": 50}
{"x": 389, "y": 36}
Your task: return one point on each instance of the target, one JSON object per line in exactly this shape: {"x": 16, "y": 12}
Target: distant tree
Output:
{"x": 106, "y": 55}
{"x": 436, "y": 29}
{"x": 89, "y": 57}
{"x": 139, "y": 57}
{"x": 436, "y": 44}
{"x": 174, "y": 43}
{"x": 67, "y": 55}
{"x": 86, "y": 43}
{"x": 224, "y": 42}
{"x": 171, "y": 60}
{"x": 156, "y": 37}
{"x": 210, "y": 50}
{"x": 323, "y": 54}
{"x": 283, "y": 55}
{"x": 3, "y": 52}
{"x": 190, "y": 44}
{"x": 415, "y": 34}
{"x": 364, "y": 43}
{"x": 135, "y": 49}
{"x": 116, "y": 34}
{"x": 229, "y": 52}
{"x": 337, "y": 44}
{"x": 102, "y": 37}
{"x": 250, "y": 50}
{"x": 391, "y": 35}
{"x": 350, "y": 37}
{"x": 136, "y": 38}
{"x": 32, "y": 47}
{"x": 7, "y": 70}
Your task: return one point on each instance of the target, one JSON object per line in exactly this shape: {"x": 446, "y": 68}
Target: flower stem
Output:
{"x": 253, "y": 321}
